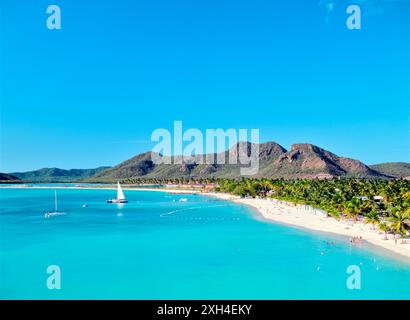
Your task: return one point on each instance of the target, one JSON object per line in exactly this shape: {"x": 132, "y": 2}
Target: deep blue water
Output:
{"x": 156, "y": 247}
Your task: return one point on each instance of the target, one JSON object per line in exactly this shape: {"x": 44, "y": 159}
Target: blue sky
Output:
{"x": 92, "y": 93}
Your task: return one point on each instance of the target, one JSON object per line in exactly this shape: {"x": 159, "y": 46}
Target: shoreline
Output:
{"x": 296, "y": 215}
{"x": 278, "y": 211}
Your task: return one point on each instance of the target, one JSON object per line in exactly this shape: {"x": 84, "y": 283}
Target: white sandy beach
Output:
{"x": 302, "y": 216}
{"x": 291, "y": 214}
{"x": 310, "y": 218}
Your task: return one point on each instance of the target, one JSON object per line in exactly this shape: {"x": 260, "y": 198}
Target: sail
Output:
{"x": 120, "y": 194}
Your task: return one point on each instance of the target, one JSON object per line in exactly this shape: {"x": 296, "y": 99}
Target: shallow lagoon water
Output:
{"x": 157, "y": 247}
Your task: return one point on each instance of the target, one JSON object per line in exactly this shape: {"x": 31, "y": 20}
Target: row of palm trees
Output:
{"x": 382, "y": 203}
{"x": 385, "y": 203}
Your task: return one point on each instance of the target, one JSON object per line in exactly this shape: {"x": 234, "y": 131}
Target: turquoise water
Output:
{"x": 156, "y": 247}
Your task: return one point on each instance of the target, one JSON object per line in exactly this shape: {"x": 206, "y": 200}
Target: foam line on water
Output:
{"x": 162, "y": 215}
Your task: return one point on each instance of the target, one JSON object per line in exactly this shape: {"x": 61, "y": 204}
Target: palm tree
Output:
{"x": 383, "y": 226}
{"x": 372, "y": 217}
{"x": 400, "y": 221}
{"x": 353, "y": 208}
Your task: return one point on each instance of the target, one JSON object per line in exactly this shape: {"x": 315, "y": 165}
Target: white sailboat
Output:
{"x": 120, "y": 195}
{"x": 55, "y": 212}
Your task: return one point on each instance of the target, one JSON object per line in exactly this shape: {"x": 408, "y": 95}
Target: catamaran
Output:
{"x": 55, "y": 212}
{"x": 120, "y": 196}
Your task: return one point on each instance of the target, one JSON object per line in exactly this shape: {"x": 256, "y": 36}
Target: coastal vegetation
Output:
{"x": 373, "y": 201}
{"x": 382, "y": 203}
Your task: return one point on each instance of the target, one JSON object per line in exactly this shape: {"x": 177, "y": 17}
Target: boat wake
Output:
{"x": 53, "y": 214}
{"x": 163, "y": 215}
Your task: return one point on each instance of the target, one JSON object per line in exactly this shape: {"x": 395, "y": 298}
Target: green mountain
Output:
{"x": 302, "y": 161}
{"x": 5, "y": 177}
{"x": 57, "y": 175}
{"x": 395, "y": 169}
